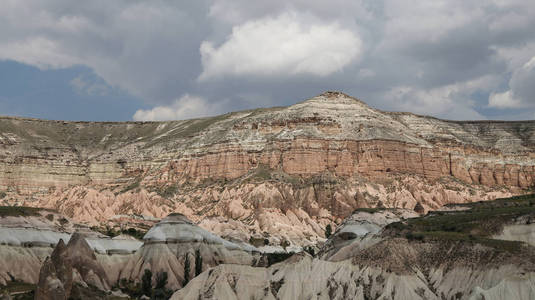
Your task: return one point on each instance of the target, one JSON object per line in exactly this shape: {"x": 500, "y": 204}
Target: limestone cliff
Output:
{"x": 281, "y": 174}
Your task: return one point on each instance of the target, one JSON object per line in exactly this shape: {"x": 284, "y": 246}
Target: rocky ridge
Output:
{"x": 282, "y": 174}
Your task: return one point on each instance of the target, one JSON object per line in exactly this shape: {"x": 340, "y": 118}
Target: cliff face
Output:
{"x": 273, "y": 170}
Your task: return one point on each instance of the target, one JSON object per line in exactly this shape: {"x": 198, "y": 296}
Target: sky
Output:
{"x": 123, "y": 60}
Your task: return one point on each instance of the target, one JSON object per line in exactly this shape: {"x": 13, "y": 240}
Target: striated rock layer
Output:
{"x": 175, "y": 242}
{"x": 29, "y": 235}
{"x": 271, "y": 170}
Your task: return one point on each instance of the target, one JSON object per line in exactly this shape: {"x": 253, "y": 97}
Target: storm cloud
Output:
{"x": 452, "y": 59}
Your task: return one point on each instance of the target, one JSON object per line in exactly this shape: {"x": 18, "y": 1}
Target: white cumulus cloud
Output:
{"x": 521, "y": 91}
{"x": 280, "y": 46}
{"x": 504, "y": 100}
{"x": 186, "y": 107}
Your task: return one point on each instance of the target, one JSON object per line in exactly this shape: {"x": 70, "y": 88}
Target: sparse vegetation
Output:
{"x": 262, "y": 172}
{"x": 328, "y": 231}
{"x": 370, "y": 210}
{"x": 146, "y": 283}
{"x": 477, "y": 224}
{"x": 168, "y": 191}
{"x": 22, "y": 290}
{"x": 186, "y": 270}
{"x": 134, "y": 185}
{"x": 137, "y": 290}
{"x": 277, "y": 257}
{"x": 137, "y": 233}
{"x": 198, "y": 263}
{"x": 2, "y": 194}
{"x": 111, "y": 232}
{"x": 258, "y": 241}
{"x": 19, "y": 211}
{"x": 310, "y": 250}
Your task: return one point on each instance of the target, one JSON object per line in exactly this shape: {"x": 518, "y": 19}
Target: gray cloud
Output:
{"x": 455, "y": 59}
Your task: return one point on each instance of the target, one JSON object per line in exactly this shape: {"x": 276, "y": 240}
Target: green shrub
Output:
{"x": 146, "y": 283}
{"x": 328, "y": 231}
{"x": 19, "y": 211}
{"x": 277, "y": 257}
{"x": 198, "y": 263}
{"x": 186, "y": 270}
{"x": 138, "y": 234}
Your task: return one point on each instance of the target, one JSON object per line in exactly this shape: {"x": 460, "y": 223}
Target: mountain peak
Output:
{"x": 336, "y": 97}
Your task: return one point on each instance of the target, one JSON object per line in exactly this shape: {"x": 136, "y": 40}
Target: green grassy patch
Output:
{"x": 19, "y": 211}
{"x": 370, "y": 210}
{"x": 21, "y": 290}
{"x": 477, "y": 224}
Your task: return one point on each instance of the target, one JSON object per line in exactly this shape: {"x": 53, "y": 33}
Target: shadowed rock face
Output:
{"x": 280, "y": 173}
{"x": 55, "y": 277}
{"x": 74, "y": 263}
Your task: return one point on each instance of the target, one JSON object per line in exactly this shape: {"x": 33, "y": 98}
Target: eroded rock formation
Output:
{"x": 174, "y": 242}
{"x": 29, "y": 235}
{"x": 282, "y": 173}
{"x": 475, "y": 253}
{"x": 74, "y": 263}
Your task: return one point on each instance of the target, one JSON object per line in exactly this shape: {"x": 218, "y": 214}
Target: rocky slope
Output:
{"x": 174, "y": 242}
{"x": 280, "y": 174}
{"x": 444, "y": 255}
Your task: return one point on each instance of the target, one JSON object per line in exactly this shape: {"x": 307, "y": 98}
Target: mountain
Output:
{"x": 278, "y": 175}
